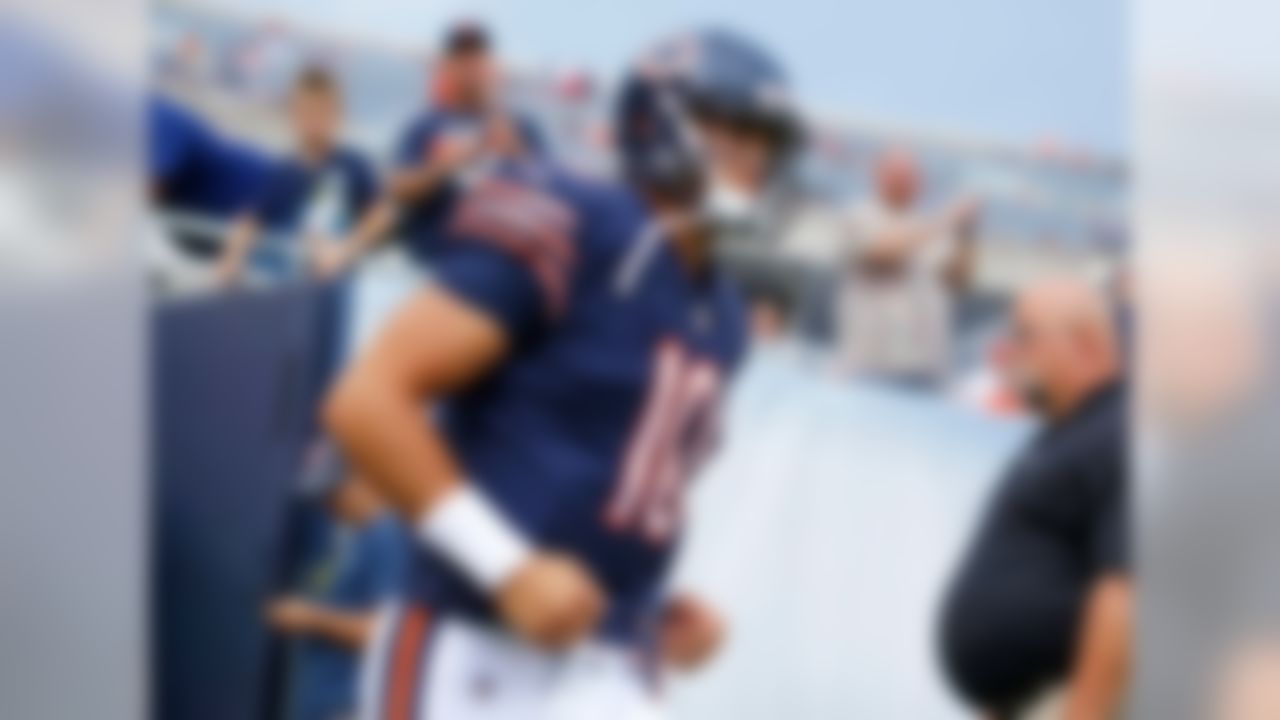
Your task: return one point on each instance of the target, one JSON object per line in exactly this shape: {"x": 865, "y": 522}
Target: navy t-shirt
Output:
{"x": 1058, "y": 521}
{"x": 327, "y": 197}
{"x": 422, "y": 223}
{"x": 361, "y": 568}
{"x": 192, "y": 169}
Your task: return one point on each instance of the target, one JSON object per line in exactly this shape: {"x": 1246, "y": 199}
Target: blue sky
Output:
{"x": 1014, "y": 70}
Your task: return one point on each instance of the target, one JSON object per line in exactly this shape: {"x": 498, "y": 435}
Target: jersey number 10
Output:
{"x": 675, "y": 432}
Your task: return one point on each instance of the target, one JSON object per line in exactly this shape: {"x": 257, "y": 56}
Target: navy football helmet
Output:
{"x": 708, "y": 76}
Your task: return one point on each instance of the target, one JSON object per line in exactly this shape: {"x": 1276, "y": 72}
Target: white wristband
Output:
{"x": 471, "y": 533}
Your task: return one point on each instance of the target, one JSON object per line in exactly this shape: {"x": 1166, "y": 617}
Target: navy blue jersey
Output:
{"x": 327, "y": 197}
{"x": 422, "y": 225}
{"x": 588, "y": 431}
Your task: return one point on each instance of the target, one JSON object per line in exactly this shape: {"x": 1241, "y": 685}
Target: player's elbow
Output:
{"x": 1111, "y": 601}
{"x": 343, "y": 407}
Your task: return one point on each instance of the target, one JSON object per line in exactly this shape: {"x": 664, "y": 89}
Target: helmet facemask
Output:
{"x": 706, "y": 130}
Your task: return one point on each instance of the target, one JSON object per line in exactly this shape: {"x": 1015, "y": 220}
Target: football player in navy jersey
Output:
{"x": 574, "y": 346}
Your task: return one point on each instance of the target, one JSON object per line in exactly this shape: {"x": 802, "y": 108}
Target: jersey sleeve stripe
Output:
{"x": 545, "y": 219}
{"x": 527, "y": 225}
{"x": 552, "y": 276}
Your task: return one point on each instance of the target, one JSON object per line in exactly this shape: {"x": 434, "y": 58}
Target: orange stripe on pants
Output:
{"x": 406, "y": 661}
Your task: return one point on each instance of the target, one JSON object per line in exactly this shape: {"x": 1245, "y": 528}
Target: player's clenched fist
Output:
{"x": 551, "y": 601}
{"x": 547, "y": 599}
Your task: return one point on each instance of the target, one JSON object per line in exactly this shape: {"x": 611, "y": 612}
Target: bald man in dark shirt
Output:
{"x": 1038, "y": 620}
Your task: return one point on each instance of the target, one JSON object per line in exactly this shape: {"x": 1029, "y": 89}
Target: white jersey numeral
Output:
{"x": 675, "y": 432}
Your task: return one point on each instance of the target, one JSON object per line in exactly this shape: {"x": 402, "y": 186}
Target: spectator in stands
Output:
{"x": 448, "y": 146}
{"x": 313, "y": 195}
{"x": 1038, "y": 620}
{"x": 903, "y": 268}
{"x": 329, "y": 620}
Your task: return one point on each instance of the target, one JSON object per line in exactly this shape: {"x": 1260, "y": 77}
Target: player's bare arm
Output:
{"x": 435, "y": 346}
{"x": 1102, "y": 663}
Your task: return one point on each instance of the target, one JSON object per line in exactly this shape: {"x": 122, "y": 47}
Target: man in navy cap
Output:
{"x": 449, "y": 146}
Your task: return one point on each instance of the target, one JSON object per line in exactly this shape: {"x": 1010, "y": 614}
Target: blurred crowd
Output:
{"x": 894, "y": 248}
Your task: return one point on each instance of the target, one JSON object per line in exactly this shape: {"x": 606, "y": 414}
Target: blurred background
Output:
{"x": 870, "y": 424}
{"x": 1026, "y": 129}
{"x": 1003, "y": 125}
{"x": 831, "y": 522}
{"x": 827, "y": 455}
